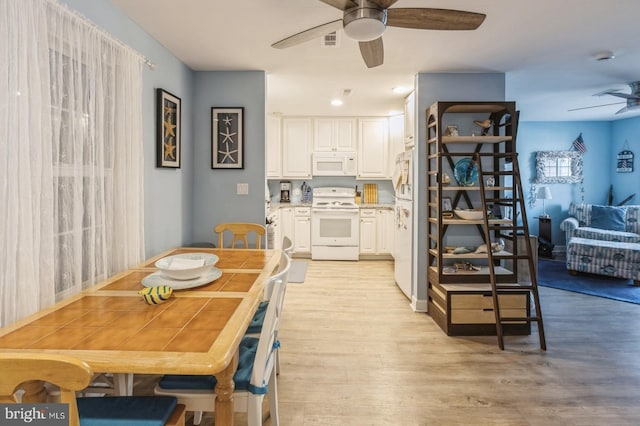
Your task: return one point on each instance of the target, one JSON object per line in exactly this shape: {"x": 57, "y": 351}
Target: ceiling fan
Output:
{"x": 633, "y": 98}
{"x": 366, "y": 21}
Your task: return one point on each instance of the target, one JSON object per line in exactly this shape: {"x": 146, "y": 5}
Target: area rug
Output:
{"x": 555, "y": 275}
{"x": 297, "y": 271}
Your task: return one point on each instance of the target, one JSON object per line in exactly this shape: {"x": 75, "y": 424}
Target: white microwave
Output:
{"x": 334, "y": 164}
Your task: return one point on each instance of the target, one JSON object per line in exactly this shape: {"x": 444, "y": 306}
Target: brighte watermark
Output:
{"x": 34, "y": 414}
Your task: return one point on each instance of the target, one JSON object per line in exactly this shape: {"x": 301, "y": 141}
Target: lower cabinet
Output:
{"x": 467, "y": 309}
{"x": 368, "y": 228}
{"x": 295, "y": 223}
{"x": 376, "y": 231}
{"x": 302, "y": 230}
{"x": 287, "y": 225}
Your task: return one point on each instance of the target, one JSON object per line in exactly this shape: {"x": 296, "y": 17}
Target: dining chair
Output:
{"x": 255, "y": 327}
{"x": 254, "y": 378}
{"x": 239, "y": 232}
{"x": 287, "y": 246}
{"x": 70, "y": 375}
{"x": 118, "y": 384}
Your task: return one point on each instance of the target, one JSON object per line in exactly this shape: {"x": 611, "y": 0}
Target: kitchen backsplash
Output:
{"x": 385, "y": 187}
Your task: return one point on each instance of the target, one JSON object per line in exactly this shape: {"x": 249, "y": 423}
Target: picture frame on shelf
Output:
{"x": 169, "y": 127}
{"x": 447, "y": 207}
{"x": 227, "y": 138}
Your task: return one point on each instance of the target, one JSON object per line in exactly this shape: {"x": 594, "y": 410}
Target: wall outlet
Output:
{"x": 243, "y": 189}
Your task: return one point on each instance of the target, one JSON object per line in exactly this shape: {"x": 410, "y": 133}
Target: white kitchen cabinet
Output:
{"x": 373, "y": 148}
{"x": 334, "y": 134}
{"x": 302, "y": 230}
{"x": 296, "y": 147}
{"x": 287, "y": 223}
{"x": 368, "y": 233}
{"x": 376, "y": 231}
{"x": 385, "y": 233}
{"x": 410, "y": 120}
{"x": 274, "y": 147}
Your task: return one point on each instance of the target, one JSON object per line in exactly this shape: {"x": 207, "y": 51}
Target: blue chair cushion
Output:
{"x": 258, "y": 319}
{"x": 248, "y": 348}
{"x": 126, "y": 410}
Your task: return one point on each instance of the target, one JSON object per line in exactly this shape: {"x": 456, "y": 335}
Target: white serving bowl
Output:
{"x": 469, "y": 214}
{"x": 186, "y": 266}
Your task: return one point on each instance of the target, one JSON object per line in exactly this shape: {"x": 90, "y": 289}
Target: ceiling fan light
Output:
{"x": 364, "y": 29}
{"x": 365, "y": 24}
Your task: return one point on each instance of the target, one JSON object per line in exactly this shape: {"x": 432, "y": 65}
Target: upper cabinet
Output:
{"x": 296, "y": 147}
{"x": 334, "y": 134}
{"x": 371, "y": 143}
{"x": 273, "y": 147}
{"x": 373, "y": 148}
{"x": 410, "y": 119}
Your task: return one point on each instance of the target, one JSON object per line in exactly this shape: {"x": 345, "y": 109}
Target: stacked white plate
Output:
{"x": 184, "y": 270}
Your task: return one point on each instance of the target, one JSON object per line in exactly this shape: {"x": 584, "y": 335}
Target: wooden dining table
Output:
{"x": 197, "y": 331}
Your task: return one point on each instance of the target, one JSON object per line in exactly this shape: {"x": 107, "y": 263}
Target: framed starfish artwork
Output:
{"x": 168, "y": 129}
{"x": 227, "y": 139}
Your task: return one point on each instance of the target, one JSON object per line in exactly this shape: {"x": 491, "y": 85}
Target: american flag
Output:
{"x": 579, "y": 145}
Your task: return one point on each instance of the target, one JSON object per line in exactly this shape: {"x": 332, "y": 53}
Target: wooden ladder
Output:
{"x": 508, "y": 228}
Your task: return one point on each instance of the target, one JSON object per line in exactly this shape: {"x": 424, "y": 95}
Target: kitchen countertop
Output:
{"x": 275, "y": 206}
{"x": 377, "y": 206}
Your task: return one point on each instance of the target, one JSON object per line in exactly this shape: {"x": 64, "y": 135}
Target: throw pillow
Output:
{"x": 607, "y": 217}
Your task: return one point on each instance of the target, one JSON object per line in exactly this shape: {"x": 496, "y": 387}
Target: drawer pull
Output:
{"x": 487, "y": 309}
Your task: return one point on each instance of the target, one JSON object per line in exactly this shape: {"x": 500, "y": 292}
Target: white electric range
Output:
{"x": 335, "y": 225}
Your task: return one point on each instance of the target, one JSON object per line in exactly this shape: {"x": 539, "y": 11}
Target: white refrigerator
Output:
{"x": 403, "y": 222}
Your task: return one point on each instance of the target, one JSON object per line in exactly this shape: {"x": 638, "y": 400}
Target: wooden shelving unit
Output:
{"x": 488, "y": 299}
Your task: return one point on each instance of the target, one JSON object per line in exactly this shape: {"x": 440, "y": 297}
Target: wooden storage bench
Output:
{"x": 467, "y": 309}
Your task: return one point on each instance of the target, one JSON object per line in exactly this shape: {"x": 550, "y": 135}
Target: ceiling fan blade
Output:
{"x": 623, "y": 95}
{"x": 615, "y": 92}
{"x": 384, "y": 4}
{"x": 341, "y": 4}
{"x": 372, "y": 52}
{"x": 434, "y": 19}
{"x": 595, "y": 106}
{"x": 625, "y": 109}
{"x": 309, "y": 34}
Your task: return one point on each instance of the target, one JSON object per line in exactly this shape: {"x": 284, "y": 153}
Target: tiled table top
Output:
{"x": 114, "y": 330}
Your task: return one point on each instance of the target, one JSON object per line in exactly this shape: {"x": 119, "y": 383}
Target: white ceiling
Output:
{"x": 545, "y": 47}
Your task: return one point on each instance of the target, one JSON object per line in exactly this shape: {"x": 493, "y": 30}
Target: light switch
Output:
{"x": 243, "y": 189}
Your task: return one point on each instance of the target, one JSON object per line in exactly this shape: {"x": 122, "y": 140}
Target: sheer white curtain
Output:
{"x": 71, "y": 164}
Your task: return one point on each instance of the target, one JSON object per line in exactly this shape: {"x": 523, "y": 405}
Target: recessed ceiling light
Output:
{"x": 336, "y": 102}
{"x": 400, "y": 90}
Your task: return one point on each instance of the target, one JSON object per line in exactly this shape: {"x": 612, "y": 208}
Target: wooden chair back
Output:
{"x": 240, "y": 232}
{"x": 28, "y": 371}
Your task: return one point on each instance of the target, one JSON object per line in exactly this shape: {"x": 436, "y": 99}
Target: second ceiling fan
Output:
{"x": 366, "y": 21}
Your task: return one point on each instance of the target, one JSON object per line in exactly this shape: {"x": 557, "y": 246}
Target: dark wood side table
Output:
{"x": 545, "y": 246}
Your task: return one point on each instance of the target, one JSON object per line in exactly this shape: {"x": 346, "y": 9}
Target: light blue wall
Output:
{"x": 558, "y": 136}
{"x": 167, "y": 192}
{"x": 215, "y": 191}
{"x": 429, "y": 89}
{"x": 625, "y": 184}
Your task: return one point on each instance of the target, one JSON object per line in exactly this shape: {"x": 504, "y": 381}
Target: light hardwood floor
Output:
{"x": 354, "y": 353}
